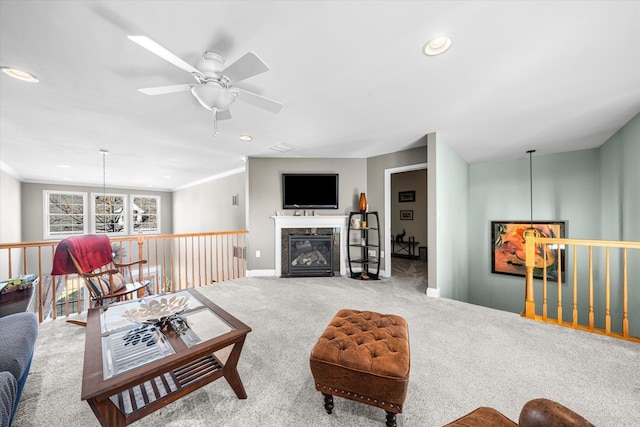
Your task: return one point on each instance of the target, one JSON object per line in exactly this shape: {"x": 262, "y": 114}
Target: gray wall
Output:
{"x": 260, "y": 196}
{"x": 208, "y": 206}
{"x": 10, "y": 209}
{"x": 10, "y": 220}
{"x": 376, "y": 167}
{"x": 33, "y": 209}
{"x": 265, "y": 196}
{"x": 597, "y": 191}
{"x": 417, "y": 227}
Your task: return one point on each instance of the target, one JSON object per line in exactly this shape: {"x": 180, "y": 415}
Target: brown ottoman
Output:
{"x": 363, "y": 356}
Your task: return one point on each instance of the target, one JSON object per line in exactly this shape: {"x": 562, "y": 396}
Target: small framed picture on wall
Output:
{"x": 406, "y": 196}
{"x": 406, "y": 215}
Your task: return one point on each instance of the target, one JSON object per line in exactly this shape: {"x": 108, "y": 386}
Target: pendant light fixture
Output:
{"x": 531, "y": 231}
{"x": 104, "y": 188}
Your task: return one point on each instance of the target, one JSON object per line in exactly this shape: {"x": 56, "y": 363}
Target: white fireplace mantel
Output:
{"x": 317, "y": 221}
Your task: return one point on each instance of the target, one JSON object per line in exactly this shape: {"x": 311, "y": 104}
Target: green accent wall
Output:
{"x": 620, "y": 190}
{"x": 565, "y": 188}
{"x": 620, "y": 218}
{"x": 596, "y": 191}
{"x": 449, "y": 248}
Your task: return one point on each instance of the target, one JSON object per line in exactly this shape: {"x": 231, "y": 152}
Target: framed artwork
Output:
{"x": 406, "y": 215}
{"x": 508, "y": 251}
{"x": 407, "y": 196}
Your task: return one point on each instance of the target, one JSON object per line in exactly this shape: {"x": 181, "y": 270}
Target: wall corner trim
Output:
{"x": 433, "y": 292}
{"x": 261, "y": 273}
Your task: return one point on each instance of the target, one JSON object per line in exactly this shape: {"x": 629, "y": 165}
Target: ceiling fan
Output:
{"x": 214, "y": 87}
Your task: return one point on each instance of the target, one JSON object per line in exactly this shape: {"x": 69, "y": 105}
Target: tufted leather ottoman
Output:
{"x": 363, "y": 356}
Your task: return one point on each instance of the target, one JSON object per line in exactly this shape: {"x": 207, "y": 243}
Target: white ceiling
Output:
{"x": 551, "y": 76}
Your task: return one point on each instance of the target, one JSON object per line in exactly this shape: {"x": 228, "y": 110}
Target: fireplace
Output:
{"x": 309, "y": 255}
{"x": 334, "y": 225}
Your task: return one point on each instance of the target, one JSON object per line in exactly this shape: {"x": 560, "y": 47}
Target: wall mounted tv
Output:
{"x": 310, "y": 191}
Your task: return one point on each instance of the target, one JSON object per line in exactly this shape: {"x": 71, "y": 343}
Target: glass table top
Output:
{"x": 128, "y": 344}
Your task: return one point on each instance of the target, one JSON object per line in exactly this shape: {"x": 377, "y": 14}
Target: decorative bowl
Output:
{"x": 156, "y": 310}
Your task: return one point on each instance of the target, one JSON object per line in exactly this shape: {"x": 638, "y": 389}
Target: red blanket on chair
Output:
{"x": 91, "y": 251}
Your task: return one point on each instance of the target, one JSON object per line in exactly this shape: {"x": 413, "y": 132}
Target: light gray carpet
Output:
{"x": 462, "y": 356}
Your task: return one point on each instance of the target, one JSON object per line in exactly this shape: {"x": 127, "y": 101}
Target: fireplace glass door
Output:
{"x": 310, "y": 255}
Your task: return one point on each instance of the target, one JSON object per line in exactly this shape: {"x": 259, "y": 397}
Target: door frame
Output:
{"x": 387, "y": 209}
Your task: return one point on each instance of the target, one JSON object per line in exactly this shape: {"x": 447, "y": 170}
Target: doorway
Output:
{"x": 405, "y": 221}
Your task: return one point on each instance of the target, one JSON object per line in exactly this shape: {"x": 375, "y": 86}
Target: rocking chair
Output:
{"x": 91, "y": 257}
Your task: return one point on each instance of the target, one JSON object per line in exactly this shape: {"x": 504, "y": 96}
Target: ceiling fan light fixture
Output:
{"x": 19, "y": 74}
{"x": 215, "y": 88}
{"x": 212, "y": 96}
{"x": 437, "y": 46}
{"x": 211, "y": 65}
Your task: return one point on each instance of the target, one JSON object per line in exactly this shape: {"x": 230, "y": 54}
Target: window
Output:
{"x": 68, "y": 213}
{"x": 109, "y": 213}
{"x": 145, "y": 214}
{"x": 65, "y": 214}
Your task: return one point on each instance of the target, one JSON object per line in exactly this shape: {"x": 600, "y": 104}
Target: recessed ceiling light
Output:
{"x": 437, "y": 46}
{"x": 19, "y": 74}
{"x": 246, "y": 137}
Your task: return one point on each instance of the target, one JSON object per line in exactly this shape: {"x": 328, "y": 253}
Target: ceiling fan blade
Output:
{"x": 259, "y": 101}
{"x": 164, "y": 53}
{"x": 247, "y": 66}
{"x": 223, "y": 115}
{"x": 162, "y": 90}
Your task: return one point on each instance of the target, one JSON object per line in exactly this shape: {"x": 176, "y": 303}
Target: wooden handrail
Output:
{"x": 122, "y": 238}
{"x": 613, "y": 299}
{"x": 175, "y": 262}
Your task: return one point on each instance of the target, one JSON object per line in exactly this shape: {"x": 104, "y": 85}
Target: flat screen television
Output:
{"x": 310, "y": 191}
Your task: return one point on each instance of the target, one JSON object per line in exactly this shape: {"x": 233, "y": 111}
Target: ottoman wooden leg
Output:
{"x": 328, "y": 402}
{"x": 391, "y": 419}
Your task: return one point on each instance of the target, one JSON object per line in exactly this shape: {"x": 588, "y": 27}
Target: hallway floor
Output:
{"x": 403, "y": 267}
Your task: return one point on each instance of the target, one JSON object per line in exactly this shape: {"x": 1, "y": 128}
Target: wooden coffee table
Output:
{"x": 132, "y": 370}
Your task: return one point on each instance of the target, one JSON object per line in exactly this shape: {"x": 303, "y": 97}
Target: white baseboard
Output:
{"x": 433, "y": 292}
{"x": 261, "y": 273}
{"x": 271, "y": 273}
